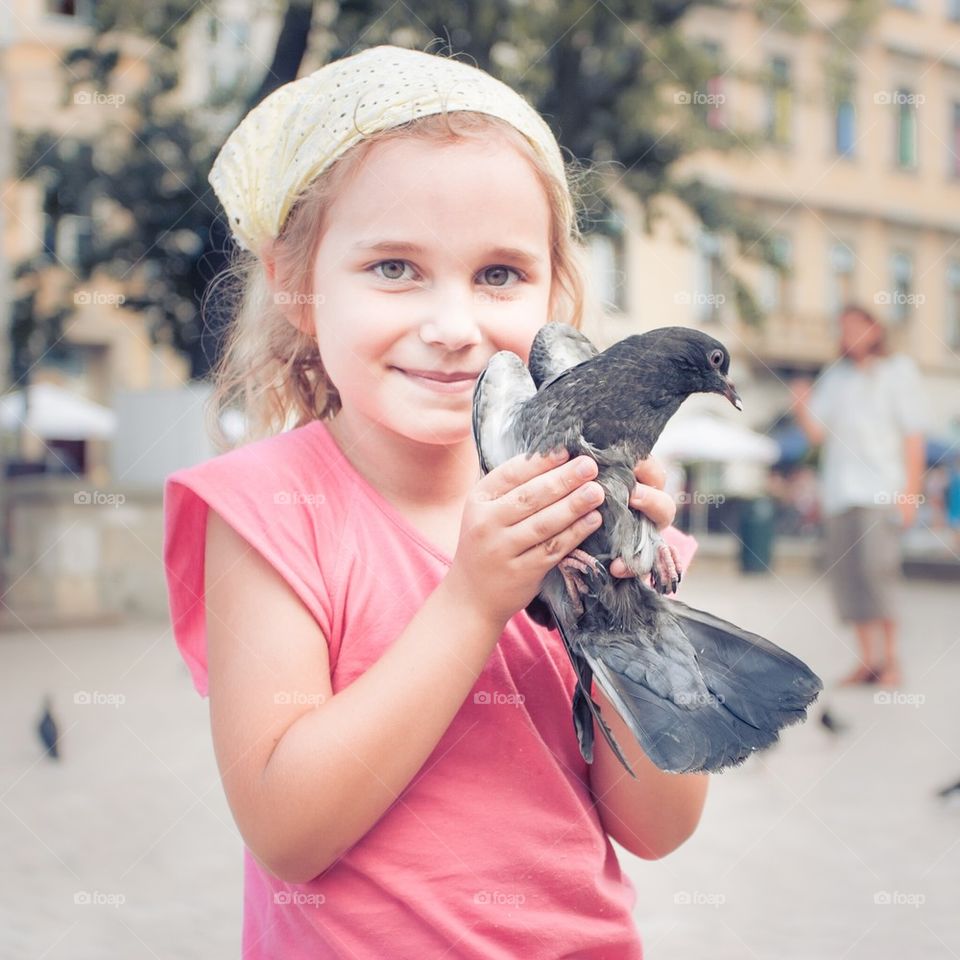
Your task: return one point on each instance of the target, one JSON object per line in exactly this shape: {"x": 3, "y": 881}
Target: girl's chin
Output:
{"x": 437, "y": 428}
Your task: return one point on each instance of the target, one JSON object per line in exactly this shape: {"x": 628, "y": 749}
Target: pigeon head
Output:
{"x": 701, "y": 362}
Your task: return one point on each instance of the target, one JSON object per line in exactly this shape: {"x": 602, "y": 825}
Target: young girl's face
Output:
{"x": 441, "y": 293}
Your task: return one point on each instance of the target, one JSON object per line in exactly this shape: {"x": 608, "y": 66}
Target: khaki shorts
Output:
{"x": 862, "y": 562}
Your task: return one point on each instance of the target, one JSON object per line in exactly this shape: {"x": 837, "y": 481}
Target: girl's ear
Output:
{"x": 294, "y": 308}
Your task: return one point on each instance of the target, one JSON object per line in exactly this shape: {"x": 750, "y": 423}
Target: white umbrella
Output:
{"x": 700, "y": 437}
{"x": 54, "y": 413}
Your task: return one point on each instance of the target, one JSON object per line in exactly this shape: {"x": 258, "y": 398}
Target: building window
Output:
{"x": 901, "y": 281}
{"x": 844, "y": 124}
{"x": 74, "y": 240}
{"x": 49, "y": 236}
{"x": 779, "y": 102}
{"x": 228, "y": 53}
{"x": 906, "y": 145}
{"x": 953, "y": 150}
{"x": 775, "y": 290}
{"x": 841, "y": 288}
{"x": 953, "y": 304}
{"x": 709, "y": 296}
{"x": 608, "y": 261}
{"x": 76, "y": 9}
{"x": 713, "y": 106}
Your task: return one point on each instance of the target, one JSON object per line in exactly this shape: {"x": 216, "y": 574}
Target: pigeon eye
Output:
{"x": 716, "y": 358}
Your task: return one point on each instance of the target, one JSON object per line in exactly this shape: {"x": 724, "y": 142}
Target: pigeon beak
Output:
{"x": 730, "y": 392}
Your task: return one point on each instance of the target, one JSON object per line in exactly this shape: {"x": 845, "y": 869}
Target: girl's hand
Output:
{"x": 519, "y": 521}
{"x": 649, "y": 497}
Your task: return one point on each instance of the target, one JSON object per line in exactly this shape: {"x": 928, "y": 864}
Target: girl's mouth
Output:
{"x": 464, "y": 382}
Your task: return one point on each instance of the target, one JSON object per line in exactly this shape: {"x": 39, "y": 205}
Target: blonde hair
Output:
{"x": 272, "y": 371}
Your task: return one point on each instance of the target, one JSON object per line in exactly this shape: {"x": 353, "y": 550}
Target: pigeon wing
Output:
{"x": 557, "y": 347}
{"x": 502, "y": 389}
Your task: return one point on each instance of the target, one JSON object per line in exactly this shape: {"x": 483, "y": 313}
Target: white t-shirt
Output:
{"x": 866, "y": 413}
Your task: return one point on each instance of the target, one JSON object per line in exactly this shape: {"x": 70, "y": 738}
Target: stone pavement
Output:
{"x": 827, "y": 847}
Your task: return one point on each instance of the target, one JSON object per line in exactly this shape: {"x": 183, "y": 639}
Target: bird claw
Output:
{"x": 665, "y": 573}
{"x": 581, "y": 573}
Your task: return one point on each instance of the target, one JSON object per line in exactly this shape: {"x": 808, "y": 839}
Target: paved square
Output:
{"x": 827, "y": 847}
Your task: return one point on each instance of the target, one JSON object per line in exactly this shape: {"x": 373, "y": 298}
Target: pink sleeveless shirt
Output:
{"x": 495, "y": 849}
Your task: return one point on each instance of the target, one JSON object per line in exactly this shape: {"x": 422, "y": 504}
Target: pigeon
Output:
{"x": 829, "y": 721}
{"x": 698, "y": 693}
{"x": 48, "y": 732}
{"x": 951, "y": 794}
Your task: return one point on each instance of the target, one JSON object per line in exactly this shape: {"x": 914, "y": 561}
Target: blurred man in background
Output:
{"x": 868, "y": 412}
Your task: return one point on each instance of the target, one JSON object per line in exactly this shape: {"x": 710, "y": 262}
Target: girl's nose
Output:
{"x": 454, "y": 322}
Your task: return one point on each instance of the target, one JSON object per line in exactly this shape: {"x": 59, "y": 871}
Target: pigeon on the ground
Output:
{"x": 830, "y": 722}
{"x": 48, "y": 732}
{"x": 699, "y": 694}
{"x": 950, "y": 794}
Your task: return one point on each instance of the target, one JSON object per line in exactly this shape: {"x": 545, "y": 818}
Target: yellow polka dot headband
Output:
{"x": 302, "y": 127}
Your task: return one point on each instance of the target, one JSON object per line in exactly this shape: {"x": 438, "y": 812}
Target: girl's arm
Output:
{"x": 652, "y": 815}
{"x": 307, "y": 773}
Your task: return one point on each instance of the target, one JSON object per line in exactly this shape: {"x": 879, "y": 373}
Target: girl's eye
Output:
{"x": 499, "y": 271}
{"x": 394, "y": 270}
{"x": 389, "y": 267}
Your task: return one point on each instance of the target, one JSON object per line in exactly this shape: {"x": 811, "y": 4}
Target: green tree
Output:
{"x": 603, "y": 74}
{"x": 150, "y": 168}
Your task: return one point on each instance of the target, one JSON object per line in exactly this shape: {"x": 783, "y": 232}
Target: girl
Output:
{"x": 393, "y": 732}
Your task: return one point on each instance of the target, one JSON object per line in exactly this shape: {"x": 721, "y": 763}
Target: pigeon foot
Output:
{"x": 580, "y": 571}
{"x": 665, "y": 573}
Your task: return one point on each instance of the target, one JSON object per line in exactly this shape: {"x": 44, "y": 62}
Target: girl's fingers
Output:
{"x": 531, "y": 498}
{"x": 565, "y": 541}
{"x": 553, "y": 524}
{"x": 651, "y": 473}
{"x": 519, "y": 470}
{"x": 659, "y": 506}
